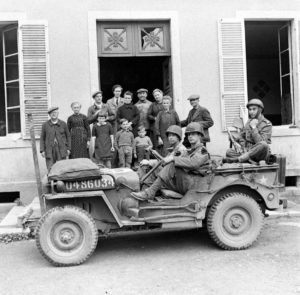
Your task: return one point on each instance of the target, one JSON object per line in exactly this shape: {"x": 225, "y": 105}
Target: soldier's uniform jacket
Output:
{"x": 262, "y": 132}
{"x": 196, "y": 160}
{"x": 179, "y": 150}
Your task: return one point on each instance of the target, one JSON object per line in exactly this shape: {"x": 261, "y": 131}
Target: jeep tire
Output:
{"x": 235, "y": 221}
{"x": 66, "y": 235}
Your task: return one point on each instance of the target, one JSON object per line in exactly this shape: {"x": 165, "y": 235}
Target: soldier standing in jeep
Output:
{"x": 255, "y": 136}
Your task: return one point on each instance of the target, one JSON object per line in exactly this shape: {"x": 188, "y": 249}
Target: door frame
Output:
{"x": 171, "y": 16}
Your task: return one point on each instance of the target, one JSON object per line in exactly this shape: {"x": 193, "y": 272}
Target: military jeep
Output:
{"x": 83, "y": 201}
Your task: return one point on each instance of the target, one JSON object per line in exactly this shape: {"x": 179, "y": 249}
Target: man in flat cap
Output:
{"x": 198, "y": 114}
{"x": 55, "y": 141}
{"x": 99, "y": 106}
{"x": 143, "y": 106}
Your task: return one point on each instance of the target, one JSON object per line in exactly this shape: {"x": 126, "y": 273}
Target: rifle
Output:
{"x": 236, "y": 146}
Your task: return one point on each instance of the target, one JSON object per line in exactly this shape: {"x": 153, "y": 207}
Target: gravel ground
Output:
{"x": 163, "y": 263}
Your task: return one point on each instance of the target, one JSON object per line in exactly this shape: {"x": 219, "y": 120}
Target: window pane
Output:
{"x": 14, "y": 121}
{"x": 286, "y": 101}
{"x": 12, "y": 90}
{"x": 284, "y": 38}
{"x": 12, "y": 69}
{"x": 10, "y": 41}
{"x": 152, "y": 39}
{"x": 115, "y": 40}
{"x": 285, "y": 62}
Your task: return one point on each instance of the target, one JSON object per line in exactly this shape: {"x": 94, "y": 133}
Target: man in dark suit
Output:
{"x": 55, "y": 140}
{"x": 114, "y": 103}
{"x": 198, "y": 114}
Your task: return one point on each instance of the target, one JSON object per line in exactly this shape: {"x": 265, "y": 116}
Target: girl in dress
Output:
{"x": 80, "y": 133}
{"x": 104, "y": 140}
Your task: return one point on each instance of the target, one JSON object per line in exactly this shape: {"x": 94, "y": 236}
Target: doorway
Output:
{"x": 133, "y": 73}
{"x": 134, "y": 54}
{"x": 269, "y": 68}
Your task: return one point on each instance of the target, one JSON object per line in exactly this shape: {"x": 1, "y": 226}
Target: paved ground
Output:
{"x": 169, "y": 263}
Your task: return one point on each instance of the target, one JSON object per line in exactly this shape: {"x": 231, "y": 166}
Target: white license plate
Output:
{"x": 105, "y": 182}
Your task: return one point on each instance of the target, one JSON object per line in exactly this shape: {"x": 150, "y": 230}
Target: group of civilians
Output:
{"x": 118, "y": 133}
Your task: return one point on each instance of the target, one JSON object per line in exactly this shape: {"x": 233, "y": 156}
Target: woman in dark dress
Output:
{"x": 80, "y": 133}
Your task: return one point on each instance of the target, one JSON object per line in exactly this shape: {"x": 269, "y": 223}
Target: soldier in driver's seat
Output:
{"x": 176, "y": 174}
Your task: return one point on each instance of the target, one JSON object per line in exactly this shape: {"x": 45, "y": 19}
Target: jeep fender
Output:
{"x": 64, "y": 197}
{"x": 268, "y": 196}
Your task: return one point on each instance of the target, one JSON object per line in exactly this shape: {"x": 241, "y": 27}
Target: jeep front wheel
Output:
{"x": 66, "y": 235}
{"x": 235, "y": 221}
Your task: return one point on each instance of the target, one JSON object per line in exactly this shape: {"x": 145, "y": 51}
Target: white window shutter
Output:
{"x": 233, "y": 75}
{"x": 34, "y": 74}
{"x": 297, "y": 76}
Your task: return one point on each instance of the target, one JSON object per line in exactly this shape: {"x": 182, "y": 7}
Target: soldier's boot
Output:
{"x": 148, "y": 193}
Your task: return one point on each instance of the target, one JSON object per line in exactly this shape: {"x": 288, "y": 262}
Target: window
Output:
{"x": 256, "y": 61}
{"x": 269, "y": 75}
{"x": 24, "y": 78}
{"x": 10, "y": 118}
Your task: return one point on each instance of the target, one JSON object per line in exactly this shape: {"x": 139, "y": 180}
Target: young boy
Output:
{"x": 124, "y": 143}
{"x": 130, "y": 112}
{"x": 142, "y": 145}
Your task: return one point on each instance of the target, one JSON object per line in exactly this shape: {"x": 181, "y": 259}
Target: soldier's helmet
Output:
{"x": 194, "y": 127}
{"x": 175, "y": 130}
{"x": 255, "y": 102}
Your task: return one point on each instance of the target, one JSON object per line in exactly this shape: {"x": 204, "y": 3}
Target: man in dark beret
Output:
{"x": 55, "y": 140}
{"x": 198, "y": 114}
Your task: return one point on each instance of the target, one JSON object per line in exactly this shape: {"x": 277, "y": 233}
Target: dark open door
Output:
{"x": 167, "y": 77}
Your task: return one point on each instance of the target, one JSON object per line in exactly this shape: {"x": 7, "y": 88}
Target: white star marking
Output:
{"x": 263, "y": 180}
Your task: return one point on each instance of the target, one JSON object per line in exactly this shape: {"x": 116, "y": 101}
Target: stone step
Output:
{"x": 11, "y": 219}
{"x": 13, "y": 230}
{"x": 6, "y": 207}
{"x": 291, "y": 193}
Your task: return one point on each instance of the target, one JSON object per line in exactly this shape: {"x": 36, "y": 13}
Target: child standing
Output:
{"x": 164, "y": 120}
{"x": 142, "y": 145}
{"x": 124, "y": 143}
{"x": 104, "y": 140}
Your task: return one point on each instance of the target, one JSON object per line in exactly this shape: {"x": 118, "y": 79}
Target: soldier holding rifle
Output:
{"x": 252, "y": 143}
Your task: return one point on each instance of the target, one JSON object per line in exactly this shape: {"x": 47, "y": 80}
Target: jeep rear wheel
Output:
{"x": 235, "y": 221}
{"x": 66, "y": 236}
